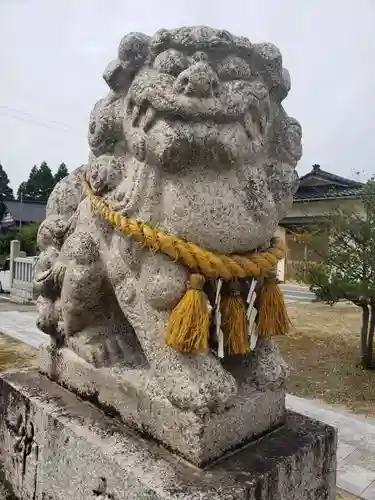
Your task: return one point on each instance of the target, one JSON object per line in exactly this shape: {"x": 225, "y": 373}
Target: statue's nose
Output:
{"x": 199, "y": 80}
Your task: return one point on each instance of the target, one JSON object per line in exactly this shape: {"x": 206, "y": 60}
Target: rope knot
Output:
{"x": 197, "y": 282}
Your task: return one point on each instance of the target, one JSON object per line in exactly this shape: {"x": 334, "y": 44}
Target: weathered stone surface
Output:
{"x": 135, "y": 398}
{"x": 4, "y": 493}
{"x": 193, "y": 139}
{"x": 55, "y": 446}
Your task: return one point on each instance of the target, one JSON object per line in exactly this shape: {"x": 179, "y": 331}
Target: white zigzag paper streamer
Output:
{"x": 251, "y": 314}
{"x": 219, "y": 331}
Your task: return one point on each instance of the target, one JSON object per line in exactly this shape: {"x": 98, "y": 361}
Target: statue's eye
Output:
{"x": 171, "y": 62}
{"x": 199, "y": 56}
{"x": 233, "y": 68}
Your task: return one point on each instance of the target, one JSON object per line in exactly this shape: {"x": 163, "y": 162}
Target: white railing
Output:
{"x": 21, "y": 274}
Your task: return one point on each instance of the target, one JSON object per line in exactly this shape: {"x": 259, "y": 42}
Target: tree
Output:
{"x": 45, "y": 182}
{"x": 39, "y": 185}
{"x": 27, "y": 236}
{"x": 21, "y": 190}
{"x": 62, "y": 172}
{"x": 5, "y": 240}
{"x": 5, "y": 190}
{"x": 28, "y": 190}
{"x": 347, "y": 266}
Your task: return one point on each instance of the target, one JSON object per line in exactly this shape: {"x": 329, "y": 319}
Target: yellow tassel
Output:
{"x": 189, "y": 324}
{"x": 273, "y": 317}
{"x": 234, "y": 325}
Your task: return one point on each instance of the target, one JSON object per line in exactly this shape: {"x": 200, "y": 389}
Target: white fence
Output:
{"x": 5, "y": 281}
{"x": 21, "y": 274}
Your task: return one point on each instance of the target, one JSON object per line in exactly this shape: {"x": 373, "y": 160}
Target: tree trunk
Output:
{"x": 364, "y": 334}
{"x": 370, "y": 340}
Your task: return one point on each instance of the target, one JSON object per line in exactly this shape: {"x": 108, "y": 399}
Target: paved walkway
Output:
{"x": 21, "y": 326}
{"x": 297, "y": 293}
{"x": 356, "y": 451}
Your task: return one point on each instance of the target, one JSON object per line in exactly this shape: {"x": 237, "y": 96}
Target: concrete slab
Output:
{"x": 56, "y": 446}
{"x": 354, "y": 478}
{"x": 21, "y": 326}
{"x": 344, "y": 450}
{"x": 362, "y": 458}
{"x": 369, "y": 493}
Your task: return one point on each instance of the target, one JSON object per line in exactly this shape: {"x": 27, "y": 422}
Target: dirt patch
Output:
{"x": 15, "y": 354}
{"x": 323, "y": 353}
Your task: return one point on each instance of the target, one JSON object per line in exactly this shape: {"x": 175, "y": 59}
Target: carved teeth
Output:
{"x": 253, "y": 127}
{"x": 263, "y": 124}
{"x": 143, "y": 116}
{"x": 149, "y": 120}
{"x": 130, "y": 106}
{"x": 135, "y": 115}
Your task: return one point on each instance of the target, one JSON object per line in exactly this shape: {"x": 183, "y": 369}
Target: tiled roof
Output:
{"x": 319, "y": 184}
{"x": 26, "y": 211}
{"x": 321, "y": 192}
{"x": 317, "y": 172}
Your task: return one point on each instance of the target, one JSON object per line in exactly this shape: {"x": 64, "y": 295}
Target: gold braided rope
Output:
{"x": 210, "y": 264}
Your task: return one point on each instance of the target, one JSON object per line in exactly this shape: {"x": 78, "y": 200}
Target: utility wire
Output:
{"x": 30, "y": 114}
{"x": 33, "y": 119}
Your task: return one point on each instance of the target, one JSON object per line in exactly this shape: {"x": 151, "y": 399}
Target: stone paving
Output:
{"x": 297, "y": 293}
{"x": 21, "y": 326}
{"x": 356, "y": 451}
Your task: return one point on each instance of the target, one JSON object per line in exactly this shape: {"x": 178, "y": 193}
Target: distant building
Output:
{"x": 319, "y": 194}
{"x": 14, "y": 214}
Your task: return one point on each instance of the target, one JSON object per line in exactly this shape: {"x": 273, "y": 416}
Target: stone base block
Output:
{"x": 134, "y": 397}
{"x": 55, "y": 446}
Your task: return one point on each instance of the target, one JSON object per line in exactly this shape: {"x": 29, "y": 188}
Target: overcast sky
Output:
{"x": 53, "y": 53}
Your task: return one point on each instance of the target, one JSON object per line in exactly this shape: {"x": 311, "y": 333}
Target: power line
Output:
{"x": 15, "y": 110}
{"x": 34, "y": 122}
{"x": 33, "y": 119}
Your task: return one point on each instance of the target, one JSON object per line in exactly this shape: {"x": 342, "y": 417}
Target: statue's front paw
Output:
{"x": 198, "y": 383}
{"x": 270, "y": 367}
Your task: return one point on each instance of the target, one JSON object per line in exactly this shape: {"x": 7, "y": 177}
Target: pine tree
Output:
{"x": 6, "y": 192}
{"x": 61, "y": 173}
{"x": 21, "y": 190}
{"x": 40, "y": 183}
{"x": 29, "y": 189}
{"x": 45, "y": 182}
{"x": 346, "y": 270}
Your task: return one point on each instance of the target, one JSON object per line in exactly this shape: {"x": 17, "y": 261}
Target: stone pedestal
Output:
{"x": 54, "y": 446}
{"x": 135, "y": 398}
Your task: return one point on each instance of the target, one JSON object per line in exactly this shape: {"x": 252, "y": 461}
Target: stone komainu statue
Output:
{"x": 192, "y": 140}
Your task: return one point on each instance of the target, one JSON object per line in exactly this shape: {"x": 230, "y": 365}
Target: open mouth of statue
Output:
{"x": 234, "y": 102}
{"x": 251, "y": 113}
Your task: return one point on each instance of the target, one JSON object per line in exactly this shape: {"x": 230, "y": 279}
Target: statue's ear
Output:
{"x": 117, "y": 76}
{"x": 134, "y": 49}
{"x": 267, "y": 60}
{"x": 132, "y": 54}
